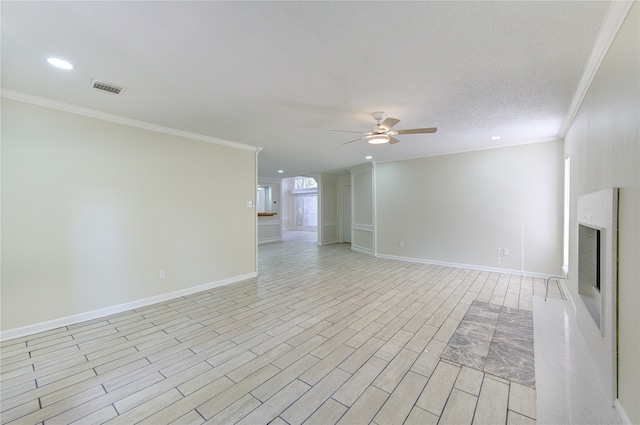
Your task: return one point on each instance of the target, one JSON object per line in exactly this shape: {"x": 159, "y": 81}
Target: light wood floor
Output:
{"x": 324, "y": 335}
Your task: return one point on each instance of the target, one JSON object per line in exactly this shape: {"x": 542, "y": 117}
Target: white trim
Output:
{"x": 363, "y": 227}
{"x": 362, "y": 250}
{"x": 374, "y": 203}
{"x": 329, "y": 242}
{"x": 95, "y": 314}
{"x": 616, "y": 15}
{"x": 621, "y": 412}
{"x": 566, "y": 295}
{"x": 65, "y": 107}
{"x": 256, "y": 233}
{"x": 330, "y": 223}
{"x": 260, "y": 242}
{"x": 478, "y": 149}
{"x": 464, "y": 266}
{"x": 268, "y": 222}
{"x": 599, "y": 210}
{"x": 361, "y": 168}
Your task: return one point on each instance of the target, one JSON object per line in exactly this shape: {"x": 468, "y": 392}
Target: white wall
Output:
{"x": 92, "y": 211}
{"x": 286, "y": 204}
{"x": 604, "y": 145}
{"x": 363, "y": 212}
{"x": 461, "y": 208}
{"x": 328, "y": 208}
{"x": 344, "y": 208}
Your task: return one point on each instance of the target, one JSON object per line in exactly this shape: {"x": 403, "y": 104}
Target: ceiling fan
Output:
{"x": 382, "y": 132}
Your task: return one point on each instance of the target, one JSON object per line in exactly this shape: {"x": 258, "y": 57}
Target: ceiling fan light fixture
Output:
{"x": 378, "y": 139}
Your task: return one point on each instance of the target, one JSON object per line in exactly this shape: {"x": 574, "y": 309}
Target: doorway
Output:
{"x": 301, "y": 197}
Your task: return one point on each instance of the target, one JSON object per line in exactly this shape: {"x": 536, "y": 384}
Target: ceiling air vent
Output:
{"x": 107, "y": 87}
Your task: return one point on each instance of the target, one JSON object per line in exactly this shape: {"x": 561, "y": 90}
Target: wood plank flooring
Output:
{"x": 324, "y": 335}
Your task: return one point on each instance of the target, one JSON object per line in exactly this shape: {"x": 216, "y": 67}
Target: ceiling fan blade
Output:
{"x": 417, "y": 131}
{"x": 354, "y": 140}
{"x": 388, "y": 123}
{"x": 347, "y": 131}
{"x": 393, "y": 140}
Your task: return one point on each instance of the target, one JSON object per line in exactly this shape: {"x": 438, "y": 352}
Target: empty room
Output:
{"x": 318, "y": 212}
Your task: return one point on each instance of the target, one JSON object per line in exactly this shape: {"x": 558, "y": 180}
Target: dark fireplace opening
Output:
{"x": 589, "y": 268}
{"x": 598, "y": 260}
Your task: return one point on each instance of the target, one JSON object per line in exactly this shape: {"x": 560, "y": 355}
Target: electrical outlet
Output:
{"x": 507, "y": 251}
{"x": 163, "y": 274}
{"x": 401, "y": 244}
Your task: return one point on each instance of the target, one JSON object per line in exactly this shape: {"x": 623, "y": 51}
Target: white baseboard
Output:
{"x": 330, "y": 242}
{"x": 622, "y": 413}
{"x": 362, "y": 250}
{"x": 567, "y": 294}
{"x": 261, "y": 241}
{"x": 90, "y": 315}
{"x": 464, "y": 266}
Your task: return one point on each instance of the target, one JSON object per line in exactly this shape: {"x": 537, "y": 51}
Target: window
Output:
{"x": 306, "y": 210}
{"x": 306, "y": 183}
{"x": 305, "y": 199}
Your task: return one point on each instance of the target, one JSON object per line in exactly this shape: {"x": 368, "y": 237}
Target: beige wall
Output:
{"x": 93, "y": 210}
{"x": 604, "y": 146}
{"x": 363, "y": 208}
{"x": 328, "y": 206}
{"x": 462, "y": 208}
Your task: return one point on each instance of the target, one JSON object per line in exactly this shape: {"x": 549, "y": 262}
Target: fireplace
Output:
{"x": 596, "y": 306}
{"x": 590, "y": 270}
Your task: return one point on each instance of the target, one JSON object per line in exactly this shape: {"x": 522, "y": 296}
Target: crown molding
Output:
{"x": 478, "y": 149}
{"x": 362, "y": 168}
{"x": 66, "y": 107}
{"x": 613, "y": 20}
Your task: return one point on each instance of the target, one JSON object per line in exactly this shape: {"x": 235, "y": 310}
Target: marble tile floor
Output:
{"x": 497, "y": 340}
{"x": 324, "y": 335}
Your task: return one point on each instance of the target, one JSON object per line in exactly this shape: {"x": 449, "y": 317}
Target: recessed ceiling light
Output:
{"x": 60, "y": 63}
{"x": 280, "y": 171}
{"x": 496, "y": 138}
{"x": 368, "y": 157}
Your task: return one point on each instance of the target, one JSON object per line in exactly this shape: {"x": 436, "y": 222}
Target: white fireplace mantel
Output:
{"x": 599, "y": 210}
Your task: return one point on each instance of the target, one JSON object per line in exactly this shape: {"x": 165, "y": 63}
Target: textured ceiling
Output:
{"x": 280, "y": 75}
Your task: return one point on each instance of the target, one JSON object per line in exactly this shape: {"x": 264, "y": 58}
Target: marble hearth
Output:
{"x": 497, "y": 340}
